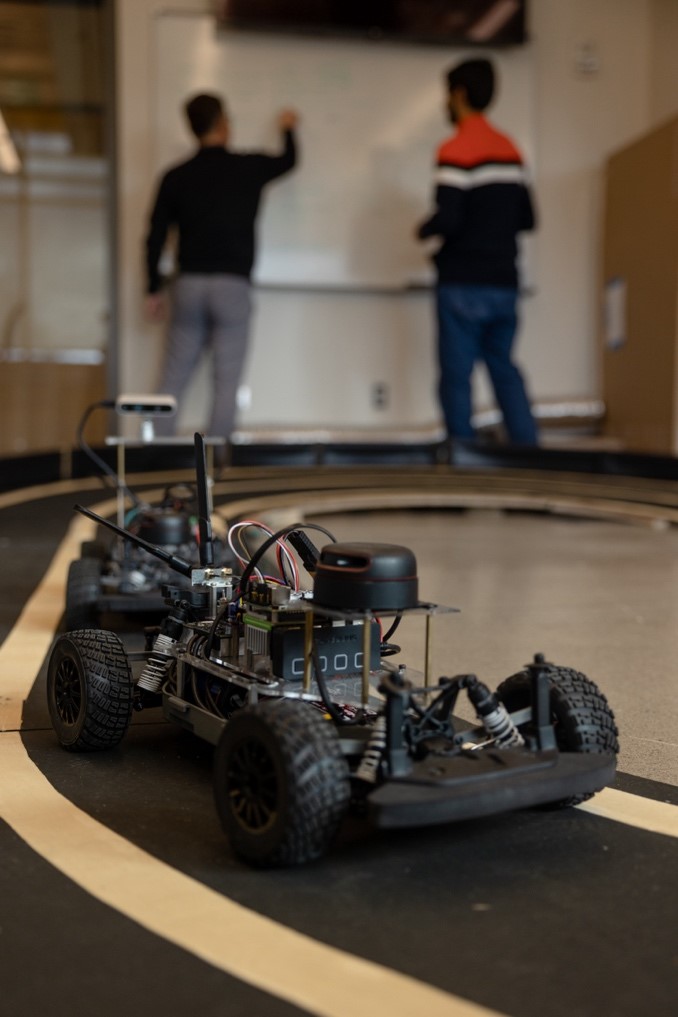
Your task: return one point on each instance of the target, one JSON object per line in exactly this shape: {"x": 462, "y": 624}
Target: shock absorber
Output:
{"x": 160, "y": 658}
{"x": 368, "y": 768}
{"x": 493, "y": 714}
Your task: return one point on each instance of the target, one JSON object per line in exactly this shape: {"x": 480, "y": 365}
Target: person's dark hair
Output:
{"x": 203, "y": 111}
{"x": 476, "y": 77}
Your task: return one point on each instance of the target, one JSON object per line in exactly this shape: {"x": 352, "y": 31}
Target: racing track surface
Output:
{"x": 119, "y": 891}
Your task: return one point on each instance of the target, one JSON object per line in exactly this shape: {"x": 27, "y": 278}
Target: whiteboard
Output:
{"x": 372, "y": 117}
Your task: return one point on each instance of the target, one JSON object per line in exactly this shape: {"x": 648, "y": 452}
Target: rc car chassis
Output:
{"x": 309, "y": 714}
{"x": 114, "y": 575}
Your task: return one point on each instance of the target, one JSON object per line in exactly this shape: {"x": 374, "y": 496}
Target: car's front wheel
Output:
{"x": 580, "y": 714}
{"x": 281, "y": 783}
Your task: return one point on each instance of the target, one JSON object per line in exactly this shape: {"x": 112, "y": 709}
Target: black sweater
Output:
{"x": 212, "y": 200}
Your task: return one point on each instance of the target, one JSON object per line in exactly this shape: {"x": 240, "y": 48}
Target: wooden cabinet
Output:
{"x": 640, "y": 293}
{"x": 42, "y": 403}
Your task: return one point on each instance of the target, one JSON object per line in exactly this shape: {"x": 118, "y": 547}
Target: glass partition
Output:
{"x": 55, "y": 171}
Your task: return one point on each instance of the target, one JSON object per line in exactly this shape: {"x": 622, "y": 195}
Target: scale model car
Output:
{"x": 309, "y": 711}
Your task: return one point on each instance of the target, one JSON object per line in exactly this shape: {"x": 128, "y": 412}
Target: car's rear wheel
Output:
{"x": 83, "y": 586}
{"x": 580, "y": 714}
{"x": 89, "y": 690}
{"x": 281, "y": 783}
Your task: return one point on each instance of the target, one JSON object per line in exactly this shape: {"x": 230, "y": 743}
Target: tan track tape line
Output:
{"x": 256, "y": 950}
{"x": 176, "y": 907}
{"x": 632, "y": 810}
{"x": 23, "y": 651}
{"x": 310, "y": 502}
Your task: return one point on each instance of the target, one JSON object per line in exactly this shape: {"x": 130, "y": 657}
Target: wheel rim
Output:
{"x": 253, "y": 786}
{"x": 68, "y": 692}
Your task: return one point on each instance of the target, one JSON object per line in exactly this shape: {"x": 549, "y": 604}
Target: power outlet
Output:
{"x": 380, "y": 395}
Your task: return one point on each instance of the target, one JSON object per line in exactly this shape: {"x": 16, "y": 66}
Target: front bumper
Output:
{"x": 444, "y": 789}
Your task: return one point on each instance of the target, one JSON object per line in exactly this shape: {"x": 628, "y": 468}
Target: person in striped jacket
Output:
{"x": 482, "y": 203}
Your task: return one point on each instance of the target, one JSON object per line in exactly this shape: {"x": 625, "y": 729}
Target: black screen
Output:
{"x": 446, "y": 22}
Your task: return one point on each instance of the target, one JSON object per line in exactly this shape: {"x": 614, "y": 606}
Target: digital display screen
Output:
{"x": 444, "y": 22}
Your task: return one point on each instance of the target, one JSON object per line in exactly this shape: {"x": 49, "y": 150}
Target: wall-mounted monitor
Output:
{"x": 441, "y": 22}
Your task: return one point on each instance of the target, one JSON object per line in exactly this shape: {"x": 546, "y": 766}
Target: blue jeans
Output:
{"x": 478, "y": 323}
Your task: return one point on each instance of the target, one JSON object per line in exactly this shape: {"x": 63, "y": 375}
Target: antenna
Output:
{"x": 206, "y": 547}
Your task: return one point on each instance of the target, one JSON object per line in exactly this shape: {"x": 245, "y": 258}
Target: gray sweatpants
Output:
{"x": 207, "y": 311}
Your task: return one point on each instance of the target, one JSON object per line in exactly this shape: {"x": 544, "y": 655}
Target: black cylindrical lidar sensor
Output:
{"x": 377, "y": 577}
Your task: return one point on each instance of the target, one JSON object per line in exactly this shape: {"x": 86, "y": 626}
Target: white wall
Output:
{"x": 581, "y": 117}
{"x": 315, "y": 357}
{"x": 53, "y": 254}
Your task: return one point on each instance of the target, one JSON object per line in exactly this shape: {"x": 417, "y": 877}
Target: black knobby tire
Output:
{"x": 83, "y": 587}
{"x": 580, "y": 714}
{"x": 281, "y": 783}
{"x": 89, "y": 690}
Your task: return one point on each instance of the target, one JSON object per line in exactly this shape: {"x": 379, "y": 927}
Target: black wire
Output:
{"x": 331, "y": 707}
{"x": 246, "y": 548}
{"x": 396, "y": 622}
{"x": 281, "y": 563}
{"x": 336, "y": 715}
{"x": 218, "y": 616}
{"x": 261, "y": 551}
{"x": 107, "y": 404}
{"x": 387, "y": 649}
{"x": 242, "y": 539}
{"x": 249, "y": 569}
{"x": 283, "y": 574}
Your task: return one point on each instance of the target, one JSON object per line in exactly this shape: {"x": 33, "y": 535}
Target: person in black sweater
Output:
{"x": 211, "y": 201}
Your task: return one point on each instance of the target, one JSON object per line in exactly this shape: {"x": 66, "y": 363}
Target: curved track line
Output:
{"x": 314, "y": 501}
{"x": 23, "y": 651}
{"x": 39, "y": 491}
{"x": 288, "y": 964}
{"x": 645, "y": 813}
